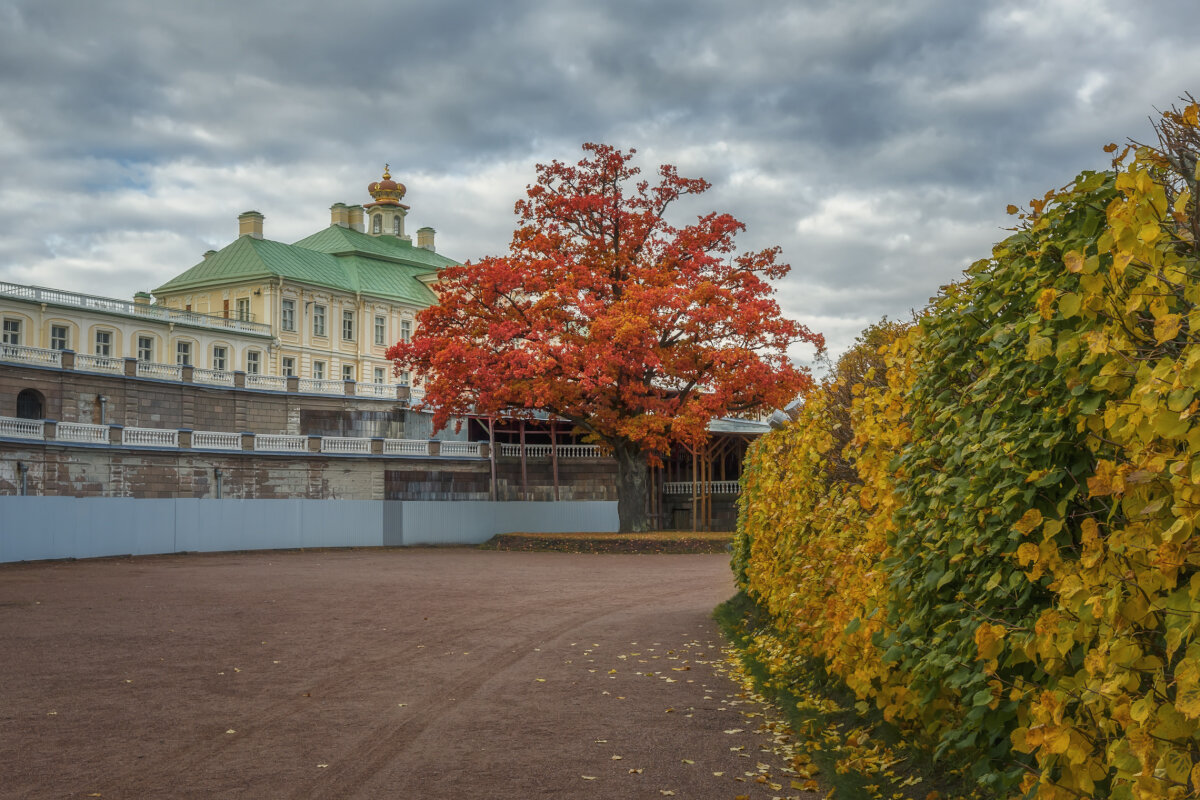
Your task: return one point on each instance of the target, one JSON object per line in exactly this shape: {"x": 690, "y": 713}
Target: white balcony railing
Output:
{"x": 90, "y": 363}
{"x": 215, "y": 377}
{"x": 165, "y": 372}
{"x": 459, "y": 449}
{"x": 273, "y": 442}
{"x": 58, "y": 297}
{"x": 30, "y": 355}
{"x": 150, "y": 437}
{"x": 564, "y": 450}
{"x": 344, "y": 444}
{"x": 375, "y": 390}
{"x": 18, "y": 428}
{"x": 405, "y": 447}
{"x": 216, "y": 440}
{"x": 704, "y": 487}
{"x": 85, "y": 432}
{"x": 326, "y": 386}
{"x": 82, "y": 432}
{"x": 275, "y": 383}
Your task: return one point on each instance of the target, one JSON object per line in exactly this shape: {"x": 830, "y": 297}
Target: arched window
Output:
{"x": 31, "y": 404}
{"x": 377, "y": 223}
{"x": 396, "y": 224}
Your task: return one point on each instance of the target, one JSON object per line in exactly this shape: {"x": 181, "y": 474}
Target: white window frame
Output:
{"x": 103, "y": 346}
{"x": 380, "y": 375}
{"x": 12, "y": 332}
{"x": 347, "y": 326}
{"x": 145, "y": 353}
{"x": 287, "y": 315}
{"x": 220, "y": 357}
{"x": 60, "y": 342}
{"x": 318, "y": 370}
{"x": 405, "y": 330}
{"x": 183, "y": 353}
{"x": 253, "y": 362}
{"x": 242, "y": 308}
{"x": 380, "y": 329}
{"x": 287, "y": 365}
{"x": 318, "y": 320}
{"x": 347, "y": 372}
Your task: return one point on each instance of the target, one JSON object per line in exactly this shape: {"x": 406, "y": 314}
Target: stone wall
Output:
{"x": 117, "y": 471}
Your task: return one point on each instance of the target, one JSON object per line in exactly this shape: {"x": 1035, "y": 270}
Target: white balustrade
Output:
{"x": 345, "y": 444}
{"x": 150, "y": 437}
{"x": 166, "y": 372}
{"x": 216, "y": 440}
{"x": 59, "y": 297}
{"x": 90, "y": 363}
{"x": 376, "y": 390}
{"x": 459, "y": 449}
{"x": 276, "y": 383}
{"x": 18, "y": 428}
{"x": 405, "y": 447}
{"x": 82, "y": 432}
{"x": 280, "y": 442}
{"x": 212, "y": 376}
{"x": 30, "y": 355}
{"x": 326, "y": 386}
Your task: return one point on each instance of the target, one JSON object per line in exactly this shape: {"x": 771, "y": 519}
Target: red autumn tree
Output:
{"x": 604, "y": 314}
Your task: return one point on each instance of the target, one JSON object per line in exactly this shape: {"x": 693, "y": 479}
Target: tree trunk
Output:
{"x": 633, "y": 483}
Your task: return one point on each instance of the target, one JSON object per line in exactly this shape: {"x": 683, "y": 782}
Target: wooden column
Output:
{"x": 524, "y": 474}
{"x": 554, "y": 453}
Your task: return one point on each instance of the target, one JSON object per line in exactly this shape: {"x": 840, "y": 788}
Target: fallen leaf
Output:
{"x": 616, "y": 758}
{"x": 322, "y": 766}
{"x": 687, "y": 761}
{"x": 588, "y": 777}
{"x": 666, "y": 792}
{"x": 231, "y": 730}
{"x": 540, "y": 680}
{"x": 734, "y": 730}
{"x": 635, "y": 771}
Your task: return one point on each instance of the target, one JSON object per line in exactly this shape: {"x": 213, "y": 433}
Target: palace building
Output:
{"x": 325, "y": 308}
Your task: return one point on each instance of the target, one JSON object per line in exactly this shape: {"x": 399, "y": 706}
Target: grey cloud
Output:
{"x": 877, "y": 143}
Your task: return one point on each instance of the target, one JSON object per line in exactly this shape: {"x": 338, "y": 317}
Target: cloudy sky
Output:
{"x": 877, "y": 143}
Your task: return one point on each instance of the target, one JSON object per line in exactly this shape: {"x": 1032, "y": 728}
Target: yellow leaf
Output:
{"x": 1045, "y": 303}
{"x": 1027, "y": 553}
{"x": 1166, "y": 328}
{"x": 588, "y": 777}
{"x": 1073, "y": 261}
{"x": 1028, "y": 521}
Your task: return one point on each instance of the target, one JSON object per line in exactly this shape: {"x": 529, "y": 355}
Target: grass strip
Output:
{"x": 858, "y": 756}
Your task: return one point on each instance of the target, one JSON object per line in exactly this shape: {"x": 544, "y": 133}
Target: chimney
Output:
{"x": 425, "y": 238}
{"x": 209, "y": 254}
{"x": 339, "y": 215}
{"x": 355, "y": 215}
{"x": 250, "y": 224}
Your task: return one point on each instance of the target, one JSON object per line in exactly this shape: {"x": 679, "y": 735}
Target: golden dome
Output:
{"x": 386, "y": 192}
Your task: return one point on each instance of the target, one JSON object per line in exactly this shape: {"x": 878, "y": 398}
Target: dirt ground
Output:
{"x": 421, "y": 673}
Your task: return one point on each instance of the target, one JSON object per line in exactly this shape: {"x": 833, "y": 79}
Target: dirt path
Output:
{"x": 373, "y": 674}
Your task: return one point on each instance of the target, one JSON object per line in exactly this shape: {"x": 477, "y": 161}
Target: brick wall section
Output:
{"x": 82, "y": 471}
{"x": 119, "y": 472}
{"x": 137, "y": 402}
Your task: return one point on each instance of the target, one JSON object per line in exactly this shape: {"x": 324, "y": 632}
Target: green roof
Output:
{"x": 336, "y": 258}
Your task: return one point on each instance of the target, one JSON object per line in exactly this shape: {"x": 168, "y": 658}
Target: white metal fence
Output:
{"x": 564, "y": 450}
